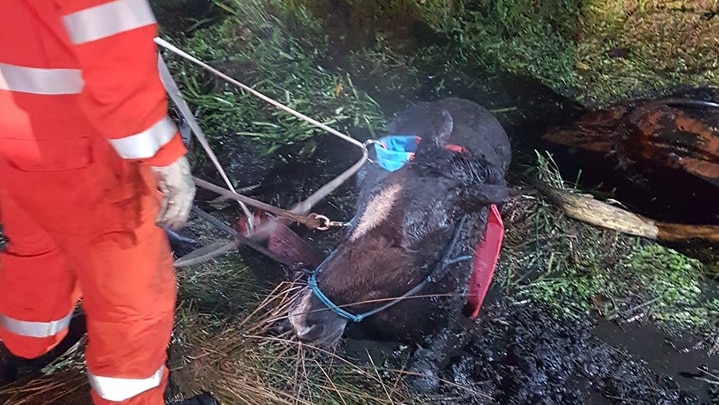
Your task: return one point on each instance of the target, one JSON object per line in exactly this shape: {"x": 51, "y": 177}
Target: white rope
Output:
{"x": 174, "y": 91}
{"x": 302, "y": 207}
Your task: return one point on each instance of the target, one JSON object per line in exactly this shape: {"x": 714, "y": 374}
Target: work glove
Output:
{"x": 178, "y": 191}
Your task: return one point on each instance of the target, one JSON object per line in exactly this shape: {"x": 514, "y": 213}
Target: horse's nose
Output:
{"x": 310, "y": 333}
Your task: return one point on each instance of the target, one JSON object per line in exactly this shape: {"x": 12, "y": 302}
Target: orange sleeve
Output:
{"x": 123, "y": 96}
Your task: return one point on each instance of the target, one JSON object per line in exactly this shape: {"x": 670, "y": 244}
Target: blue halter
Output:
{"x": 312, "y": 283}
{"x": 435, "y": 275}
{"x": 393, "y": 151}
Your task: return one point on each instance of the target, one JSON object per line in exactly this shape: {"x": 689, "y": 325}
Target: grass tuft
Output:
{"x": 576, "y": 268}
{"x": 594, "y": 51}
{"x": 276, "y": 48}
{"x": 248, "y": 361}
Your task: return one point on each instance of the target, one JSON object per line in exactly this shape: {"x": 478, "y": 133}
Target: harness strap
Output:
{"x": 393, "y": 151}
{"x": 214, "y": 250}
{"x": 174, "y": 92}
{"x": 436, "y": 275}
{"x": 312, "y": 221}
{"x": 312, "y": 283}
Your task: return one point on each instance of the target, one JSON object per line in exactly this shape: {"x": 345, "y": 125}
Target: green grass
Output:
{"x": 275, "y": 48}
{"x": 660, "y": 45}
{"x": 577, "y": 269}
{"x": 652, "y": 284}
{"x": 595, "y": 51}
{"x": 674, "y": 283}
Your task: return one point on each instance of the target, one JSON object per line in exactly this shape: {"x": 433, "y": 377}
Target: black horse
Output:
{"x": 394, "y": 269}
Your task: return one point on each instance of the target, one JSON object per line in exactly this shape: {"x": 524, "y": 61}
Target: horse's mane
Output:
{"x": 467, "y": 167}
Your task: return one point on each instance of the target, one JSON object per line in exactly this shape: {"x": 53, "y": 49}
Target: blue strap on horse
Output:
{"x": 393, "y": 151}
{"x": 436, "y": 274}
{"x": 312, "y": 283}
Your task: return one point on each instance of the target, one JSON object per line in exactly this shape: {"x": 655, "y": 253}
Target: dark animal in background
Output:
{"x": 404, "y": 221}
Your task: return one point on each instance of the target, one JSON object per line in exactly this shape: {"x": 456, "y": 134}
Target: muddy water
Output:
{"x": 681, "y": 360}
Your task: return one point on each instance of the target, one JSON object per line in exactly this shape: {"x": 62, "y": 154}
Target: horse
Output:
{"x": 400, "y": 270}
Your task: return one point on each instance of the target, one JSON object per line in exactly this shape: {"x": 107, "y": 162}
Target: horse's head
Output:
{"x": 401, "y": 224}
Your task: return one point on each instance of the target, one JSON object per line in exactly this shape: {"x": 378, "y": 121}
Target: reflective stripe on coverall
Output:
{"x": 82, "y": 116}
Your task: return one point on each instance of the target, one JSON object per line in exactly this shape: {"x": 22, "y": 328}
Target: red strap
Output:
{"x": 454, "y": 148}
{"x": 485, "y": 261}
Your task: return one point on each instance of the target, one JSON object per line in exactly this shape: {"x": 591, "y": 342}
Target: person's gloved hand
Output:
{"x": 178, "y": 191}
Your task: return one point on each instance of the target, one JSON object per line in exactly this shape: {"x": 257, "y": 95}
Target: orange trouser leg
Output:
{"x": 128, "y": 281}
{"x": 128, "y": 287}
{"x": 102, "y": 217}
{"x": 36, "y": 286}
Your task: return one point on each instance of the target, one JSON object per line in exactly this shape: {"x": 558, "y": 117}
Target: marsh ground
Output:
{"x": 576, "y": 314}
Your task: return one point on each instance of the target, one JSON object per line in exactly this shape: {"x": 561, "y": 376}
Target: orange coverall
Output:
{"x": 83, "y": 115}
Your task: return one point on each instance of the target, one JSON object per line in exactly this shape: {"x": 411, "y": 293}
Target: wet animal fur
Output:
{"x": 429, "y": 195}
{"x": 409, "y": 243}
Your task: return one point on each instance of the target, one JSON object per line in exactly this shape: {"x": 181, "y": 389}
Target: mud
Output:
{"x": 524, "y": 354}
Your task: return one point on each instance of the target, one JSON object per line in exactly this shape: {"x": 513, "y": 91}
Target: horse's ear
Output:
{"x": 479, "y": 196}
{"x": 444, "y": 129}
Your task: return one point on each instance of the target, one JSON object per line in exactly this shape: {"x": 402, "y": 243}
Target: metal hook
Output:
{"x": 371, "y": 142}
{"x": 325, "y": 223}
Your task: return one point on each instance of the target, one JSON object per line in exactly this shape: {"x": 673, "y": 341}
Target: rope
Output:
{"x": 311, "y": 221}
{"x": 174, "y": 91}
{"x": 302, "y": 207}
